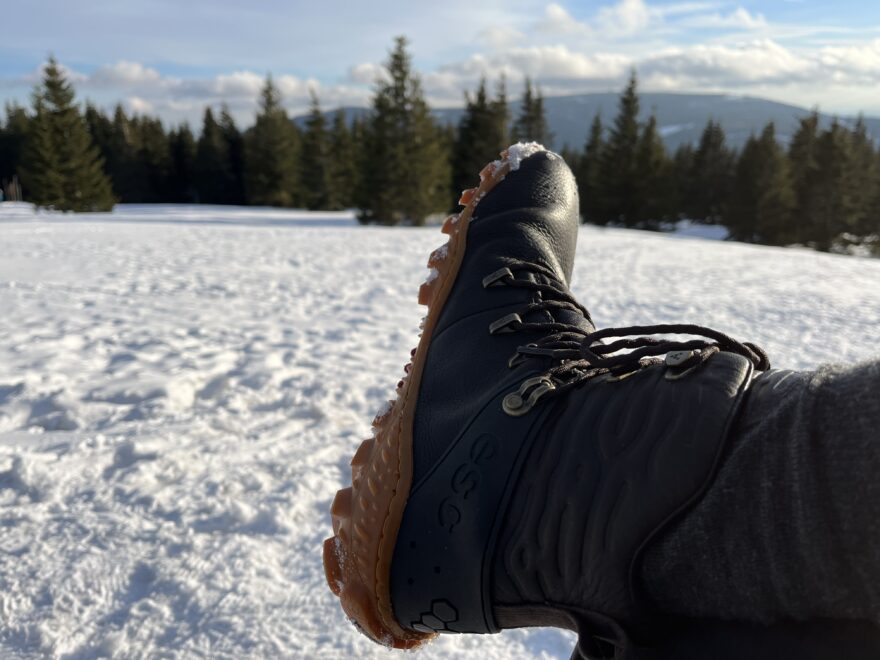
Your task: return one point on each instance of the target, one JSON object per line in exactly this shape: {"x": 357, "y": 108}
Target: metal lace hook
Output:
{"x": 518, "y": 403}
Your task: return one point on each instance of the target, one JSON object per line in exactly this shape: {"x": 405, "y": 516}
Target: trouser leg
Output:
{"x": 790, "y": 528}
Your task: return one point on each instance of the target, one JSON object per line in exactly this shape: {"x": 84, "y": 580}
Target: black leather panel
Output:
{"x": 615, "y": 465}
{"x": 530, "y": 215}
{"x": 441, "y": 569}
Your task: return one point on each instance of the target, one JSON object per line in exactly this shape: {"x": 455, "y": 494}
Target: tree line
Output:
{"x": 825, "y": 185}
{"x": 396, "y": 164}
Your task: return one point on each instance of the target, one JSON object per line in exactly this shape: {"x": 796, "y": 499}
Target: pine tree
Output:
{"x": 154, "y": 157}
{"x": 405, "y": 168}
{"x": 501, "y": 111}
{"x": 235, "y": 151}
{"x": 589, "y": 175}
{"x": 343, "y": 158}
{"x": 652, "y": 178}
{"x": 100, "y": 127}
{"x": 479, "y": 139}
{"x": 314, "y": 164}
{"x": 803, "y": 156}
{"x": 126, "y": 173}
{"x": 619, "y": 160}
{"x": 12, "y": 142}
{"x": 871, "y": 225}
{"x": 531, "y": 124}
{"x": 213, "y": 172}
{"x": 762, "y": 199}
{"x": 181, "y": 183}
{"x": 863, "y": 172}
{"x": 271, "y": 154}
{"x": 681, "y": 186}
{"x": 711, "y": 177}
{"x": 62, "y": 167}
{"x": 836, "y": 206}
{"x": 571, "y": 156}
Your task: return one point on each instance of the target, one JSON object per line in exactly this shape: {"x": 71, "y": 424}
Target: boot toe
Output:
{"x": 542, "y": 181}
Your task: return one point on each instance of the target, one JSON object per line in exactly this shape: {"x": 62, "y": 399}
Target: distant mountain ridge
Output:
{"x": 681, "y": 118}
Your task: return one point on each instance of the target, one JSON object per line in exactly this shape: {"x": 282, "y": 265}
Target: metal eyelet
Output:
{"x": 517, "y": 404}
{"x": 505, "y": 324}
{"x": 498, "y": 278}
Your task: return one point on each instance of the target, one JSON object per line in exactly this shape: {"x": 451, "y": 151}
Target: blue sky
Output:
{"x": 173, "y": 57}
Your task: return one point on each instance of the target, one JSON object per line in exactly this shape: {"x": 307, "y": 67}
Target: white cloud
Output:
{"x": 240, "y": 84}
{"x": 739, "y": 19}
{"x": 557, "y": 21}
{"x": 138, "y": 105}
{"x": 626, "y": 17}
{"x": 125, "y": 74}
{"x": 498, "y": 37}
{"x": 145, "y": 90}
{"x": 366, "y": 73}
{"x": 862, "y": 61}
{"x": 760, "y": 61}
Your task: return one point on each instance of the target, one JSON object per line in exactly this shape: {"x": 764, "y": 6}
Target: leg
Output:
{"x": 790, "y": 528}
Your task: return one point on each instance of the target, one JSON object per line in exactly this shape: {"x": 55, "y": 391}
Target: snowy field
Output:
{"x": 181, "y": 389}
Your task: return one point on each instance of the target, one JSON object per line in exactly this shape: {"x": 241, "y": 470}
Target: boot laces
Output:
{"x": 578, "y": 355}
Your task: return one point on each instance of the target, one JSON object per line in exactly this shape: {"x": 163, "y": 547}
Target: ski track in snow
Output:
{"x": 181, "y": 389}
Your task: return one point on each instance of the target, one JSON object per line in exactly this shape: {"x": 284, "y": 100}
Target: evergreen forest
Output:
{"x": 395, "y": 164}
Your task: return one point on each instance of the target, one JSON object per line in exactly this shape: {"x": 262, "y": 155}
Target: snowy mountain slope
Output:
{"x": 181, "y": 389}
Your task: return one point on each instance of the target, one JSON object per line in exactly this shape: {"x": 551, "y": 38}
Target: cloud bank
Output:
{"x": 739, "y": 51}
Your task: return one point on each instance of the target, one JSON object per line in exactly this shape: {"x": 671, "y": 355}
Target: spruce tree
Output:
{"x": 235, "y": 152}
{"x": 652, "y": 183}
{"x": 501, "y": 111}
{"x": 762, "y": 199}
{"x": 343, "y": 160}
{"x": 681, "y": 186}
{"x": 271, "y": 153}
{"x": 531, "y": 124}
{"x": 62, "y": 167}
{"x": 589, "y": 175}
{"x": 711, "y": 177}
{"x": 836, "y": 206}
{"x": 314, "y": 164}
{"x": 12, "y": 141}
{"x": 619, "y": 162}
{"x": 100, "y": 127}
{"x": 405, "y": 167}
{"x": 181, "y": 183}
{"x": 213, "y": 172}
{"x": 126, "y": 173}
{"x": 479, "y": 139}
{"x": 871, "y": 225}
{"x": 154, "y": 158}
{"x": 806, "y": 177}
{"x": 863, "y": 172}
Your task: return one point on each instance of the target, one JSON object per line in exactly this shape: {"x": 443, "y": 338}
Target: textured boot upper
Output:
{"x": 547, "y": 507}
{"x": 531, "y": 215}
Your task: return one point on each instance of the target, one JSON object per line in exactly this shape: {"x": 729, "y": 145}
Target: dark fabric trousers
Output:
{"x": 790, "y": 529}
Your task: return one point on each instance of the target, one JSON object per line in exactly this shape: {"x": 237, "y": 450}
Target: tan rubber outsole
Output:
{"x": 366, "y": 515}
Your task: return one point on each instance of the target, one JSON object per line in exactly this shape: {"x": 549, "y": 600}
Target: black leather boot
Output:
{"x": 526, "y": 461}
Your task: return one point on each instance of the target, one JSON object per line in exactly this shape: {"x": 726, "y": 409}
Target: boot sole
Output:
{"x": 366, "y": 516}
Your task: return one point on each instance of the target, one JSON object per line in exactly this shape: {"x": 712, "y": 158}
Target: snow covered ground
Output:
{"x": 181, "y": 389}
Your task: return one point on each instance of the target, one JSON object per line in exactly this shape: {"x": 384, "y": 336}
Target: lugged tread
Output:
{"x": 366, "y": 516}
